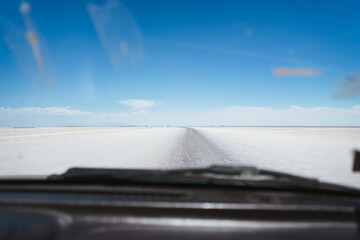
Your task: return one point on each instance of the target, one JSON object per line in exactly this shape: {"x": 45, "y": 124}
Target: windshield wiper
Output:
{"x": 210, "y": 173}
{"x": 215, "y": 175}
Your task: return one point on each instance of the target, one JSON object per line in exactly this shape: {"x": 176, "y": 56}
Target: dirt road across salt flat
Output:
{"x": 194, "y": 150}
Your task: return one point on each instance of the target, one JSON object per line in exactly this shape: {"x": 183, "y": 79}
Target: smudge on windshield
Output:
{"x": 30, "y": 34}
{"x": 29, "y": 49}
{"x": 118, "y": 33}
{"x": 349, "y": 87}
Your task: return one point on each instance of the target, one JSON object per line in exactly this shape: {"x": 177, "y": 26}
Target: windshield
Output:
{"x": 180, "y": 84}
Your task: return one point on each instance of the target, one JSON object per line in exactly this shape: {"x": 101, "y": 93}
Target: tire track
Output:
{"x": 193, "y": 150}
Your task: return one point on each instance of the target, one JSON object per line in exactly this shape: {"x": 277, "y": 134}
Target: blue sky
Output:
{"x": 179, "y": 62}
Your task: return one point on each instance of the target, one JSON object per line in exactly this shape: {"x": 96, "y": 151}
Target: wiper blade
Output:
{"x": 215, "y": 175}
{"x": 244, "y": 173}
{"x": 212, "y": 172}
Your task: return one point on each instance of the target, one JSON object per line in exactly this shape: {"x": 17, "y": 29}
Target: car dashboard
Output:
{"x": 41, "y": 210}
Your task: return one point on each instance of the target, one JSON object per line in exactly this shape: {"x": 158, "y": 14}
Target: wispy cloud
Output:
{"x": 295, "y": 72}
{"x": 235, "y": 52}
{"x": 46, "y": 111}
{"x": 349, "y": 87}
{"x": 138, "y": 103}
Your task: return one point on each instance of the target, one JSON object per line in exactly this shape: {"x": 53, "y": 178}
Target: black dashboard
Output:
{"x": 40, "y": 210}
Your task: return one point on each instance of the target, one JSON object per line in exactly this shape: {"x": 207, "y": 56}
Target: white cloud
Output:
{"x": 138, "y": 103}
{"x": 140, "y": 113}
{"x": 296, "y": 72}
{"x": 263, "y": 116}
{"x": 47, "y": 111}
